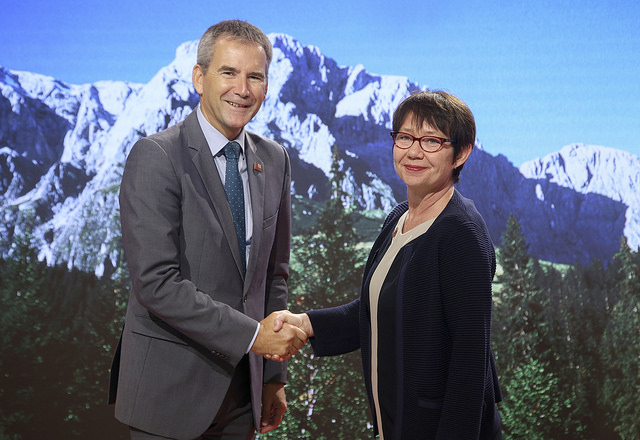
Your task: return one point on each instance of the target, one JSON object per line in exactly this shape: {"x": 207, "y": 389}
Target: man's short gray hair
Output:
{"x": 236, "y": 30}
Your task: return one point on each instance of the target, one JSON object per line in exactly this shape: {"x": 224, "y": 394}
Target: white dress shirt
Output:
{"x": 217, "y": 142}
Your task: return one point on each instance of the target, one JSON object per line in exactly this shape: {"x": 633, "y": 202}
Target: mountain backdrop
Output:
{"x": 63, "y": 147}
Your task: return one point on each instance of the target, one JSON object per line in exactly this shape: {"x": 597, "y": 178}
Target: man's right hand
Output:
{"x": 283, "y": 319}
{"x": 278, "y": 345}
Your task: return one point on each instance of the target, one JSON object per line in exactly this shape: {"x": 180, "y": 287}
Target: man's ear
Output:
{"x": 197, "y": 77}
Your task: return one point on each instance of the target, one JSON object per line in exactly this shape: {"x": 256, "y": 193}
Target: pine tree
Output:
{"x": 57, "y": 341}
{"x": 520, "y": 334}
{"x": 577, "y": 345}
{"x": 22, "y": 320}
{"x": 326, "y": 395}
{"x": 621, "y": 350}
{"x": 530, "y": 408}
{"x": 518, "y": 322}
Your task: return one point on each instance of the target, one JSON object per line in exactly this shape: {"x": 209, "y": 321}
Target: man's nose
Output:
{"x": 242, "y": 86}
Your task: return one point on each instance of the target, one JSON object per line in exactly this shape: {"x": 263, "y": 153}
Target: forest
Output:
{"x": 566, "y": 340}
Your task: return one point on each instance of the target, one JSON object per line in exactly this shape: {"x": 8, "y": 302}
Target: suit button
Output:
{"x": 244, "y": 298}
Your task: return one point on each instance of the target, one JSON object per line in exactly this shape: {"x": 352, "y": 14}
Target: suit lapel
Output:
{"x": 204, "y": 163}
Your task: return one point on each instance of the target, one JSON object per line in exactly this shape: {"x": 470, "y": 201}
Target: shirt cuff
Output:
{"x": 255, "y": 335}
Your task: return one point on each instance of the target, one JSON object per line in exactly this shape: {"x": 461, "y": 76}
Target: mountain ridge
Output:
{"x": 62, "y": 148}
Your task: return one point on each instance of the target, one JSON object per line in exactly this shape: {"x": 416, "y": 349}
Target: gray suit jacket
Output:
{"x": 191, "y": 313}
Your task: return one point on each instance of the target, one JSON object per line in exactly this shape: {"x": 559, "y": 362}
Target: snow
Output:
{"x": 105, "y": 119}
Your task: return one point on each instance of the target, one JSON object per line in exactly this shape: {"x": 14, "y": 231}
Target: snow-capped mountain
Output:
{"x": 62, "y": 148}
{"x": 590, "y": 169}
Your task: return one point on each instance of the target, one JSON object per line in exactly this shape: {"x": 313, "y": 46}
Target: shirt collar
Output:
{"x": 215, "y": 139}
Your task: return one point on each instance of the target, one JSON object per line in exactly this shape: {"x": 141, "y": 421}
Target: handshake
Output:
{"x": 282, "y": 334}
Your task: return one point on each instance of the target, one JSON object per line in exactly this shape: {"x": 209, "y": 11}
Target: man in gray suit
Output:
{"x": 204, "y": 273}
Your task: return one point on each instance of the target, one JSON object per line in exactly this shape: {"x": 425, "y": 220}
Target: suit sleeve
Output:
{"x": 277, "y": 292}
{"x": 151, "y": 219}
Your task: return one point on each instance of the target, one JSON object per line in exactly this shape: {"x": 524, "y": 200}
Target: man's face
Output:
{"x": 234, "y": 87}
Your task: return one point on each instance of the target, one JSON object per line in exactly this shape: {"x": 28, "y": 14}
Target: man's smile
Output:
{"x": 233, "y": 104}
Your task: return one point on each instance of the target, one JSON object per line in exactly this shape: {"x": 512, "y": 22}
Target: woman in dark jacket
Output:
{"x": 423, "y": 320}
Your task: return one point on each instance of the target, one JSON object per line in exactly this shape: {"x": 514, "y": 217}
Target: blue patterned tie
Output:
{"x": 235, "y": 195}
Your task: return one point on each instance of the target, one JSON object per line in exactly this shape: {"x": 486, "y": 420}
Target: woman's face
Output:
{"x": 423, "y": 172}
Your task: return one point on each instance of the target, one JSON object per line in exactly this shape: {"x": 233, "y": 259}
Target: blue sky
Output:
{"x": 537, "y": 75}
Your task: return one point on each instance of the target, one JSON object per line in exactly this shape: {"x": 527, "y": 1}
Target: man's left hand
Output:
{"x": 274, "y": 405}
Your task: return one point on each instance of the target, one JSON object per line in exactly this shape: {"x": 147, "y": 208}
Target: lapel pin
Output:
{"x": 257, "y": 167}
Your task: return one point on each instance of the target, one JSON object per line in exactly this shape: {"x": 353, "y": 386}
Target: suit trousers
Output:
{"x": 234, "y": 420}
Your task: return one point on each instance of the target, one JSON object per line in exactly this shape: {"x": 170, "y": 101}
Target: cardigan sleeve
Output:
{"x": 336, "y": 329}
{"x": 467, "y": 261}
